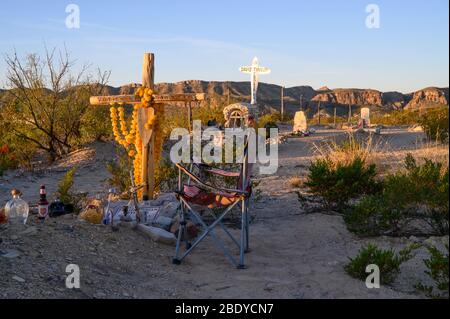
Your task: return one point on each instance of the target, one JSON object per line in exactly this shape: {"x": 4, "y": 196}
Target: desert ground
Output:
{"x": 298, "y": 250}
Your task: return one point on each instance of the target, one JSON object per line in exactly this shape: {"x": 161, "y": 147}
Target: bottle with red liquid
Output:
{"x": 43, "y": 204}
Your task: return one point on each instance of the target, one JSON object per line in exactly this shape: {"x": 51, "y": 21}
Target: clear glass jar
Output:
{"x": 17, "y": 209}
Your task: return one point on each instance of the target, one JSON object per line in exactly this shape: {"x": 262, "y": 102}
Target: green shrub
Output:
{"x": 423, "y": 190}
{"x": 166, "y": 177}
{"x": 7, "y": 159}
{"x": 400, "y": 117}
{"x": 120, "y": 171}
{"x": 269, "y": 120}
{"x": 387, "y": 260}
{"x": 435, "y": 123}
{"x": 66, "y": 194}
{"x": 374, "y": 216}
{"x": 339, "y": 183}
{"x": 420, "y": 192}
{"x": 438, "y": 271}
{"x": 207, "y": 113}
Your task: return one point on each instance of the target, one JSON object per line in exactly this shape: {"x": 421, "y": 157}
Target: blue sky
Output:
{"x": 304, "y": 42}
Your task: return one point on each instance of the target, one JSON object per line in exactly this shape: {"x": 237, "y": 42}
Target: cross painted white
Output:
{"x": 254, "y": 70}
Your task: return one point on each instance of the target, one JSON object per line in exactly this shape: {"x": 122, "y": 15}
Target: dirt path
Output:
{"x": 294, "y": 254}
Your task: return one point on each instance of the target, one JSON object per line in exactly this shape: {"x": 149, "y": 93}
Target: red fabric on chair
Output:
{"x": 195, "y": 195}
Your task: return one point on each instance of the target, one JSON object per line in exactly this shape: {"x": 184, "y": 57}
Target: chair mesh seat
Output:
{"x": 195, "y": 195}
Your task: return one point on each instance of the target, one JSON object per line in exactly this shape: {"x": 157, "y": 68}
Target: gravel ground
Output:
{"x": 295, "y": 253}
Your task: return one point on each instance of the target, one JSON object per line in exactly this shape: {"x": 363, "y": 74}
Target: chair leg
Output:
{"x": 176, "y": 260}
{"x": 243, "y": 235}
{"x": 247, "y": 230}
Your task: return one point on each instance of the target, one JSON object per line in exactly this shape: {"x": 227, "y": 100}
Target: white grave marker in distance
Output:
{"x": 365, "y": 116}
{"x": 300, "y": 124}
{"x": 254, "y": 70}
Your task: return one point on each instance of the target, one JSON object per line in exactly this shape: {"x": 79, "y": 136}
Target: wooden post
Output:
{"x": 148, "y": 140}
{"x": 189, "y": 110}
{"x": 334, "y": 121}
{"x": 318, "y": 113}
{"x": 349, "y": 113}
{"x": 282, "y": 103}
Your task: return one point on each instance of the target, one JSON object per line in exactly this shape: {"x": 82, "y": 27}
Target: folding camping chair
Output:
{"x": 198, "y": 192}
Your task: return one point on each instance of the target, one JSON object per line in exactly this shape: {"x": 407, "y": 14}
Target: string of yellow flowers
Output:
{"x": 153, "y": 123}
{"x": 131, "y": 139}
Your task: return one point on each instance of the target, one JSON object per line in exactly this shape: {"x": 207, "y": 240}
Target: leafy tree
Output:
{"x": 48, "y": 102}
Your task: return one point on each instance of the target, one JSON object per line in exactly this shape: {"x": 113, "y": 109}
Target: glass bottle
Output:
{"x": 17, "y": 209}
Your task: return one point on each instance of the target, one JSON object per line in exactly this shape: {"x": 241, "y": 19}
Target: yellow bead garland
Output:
{"x": 131, "y": 139}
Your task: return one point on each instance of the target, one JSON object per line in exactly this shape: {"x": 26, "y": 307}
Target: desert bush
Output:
{"x": 20, "y": 152}
{"x": 67, "y": 195}
{"x": 423, "y": 190}
{"x": 435, "y": 123}
{"x": 120, "y": 171}
{"x": 387, "y": 260}
{"x": 47, "y": 105}
{"x": 373, "y": 216}
{"x": 166, "y": 177}
{"x": 7, "y": 159}
{"x": 268, "y": 120}
{"x": 208, "y": 113}
{"x": 438, "y": 271}
{"x": 337, "y": 184}
{"x": 420, "y": 192}
{"x": 398, "y": 117}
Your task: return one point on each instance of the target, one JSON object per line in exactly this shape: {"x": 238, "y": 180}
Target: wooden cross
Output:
{"x": 147, "y": 136}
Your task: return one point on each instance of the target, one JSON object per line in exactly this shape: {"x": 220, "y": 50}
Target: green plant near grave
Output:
{"x": 435, "y": 123}
{"x": 438, "y": 271}
{"x": 373, "y": 216}
{"x": 387, "y": 260}
{"x": 268, "y": 121}
{"x": 420, "y": 192}
{"x": 67, "y": 195}
{"x": 166, "y": 177}
{"x": 337, "y": 184}
{"x": 120, "y": 171}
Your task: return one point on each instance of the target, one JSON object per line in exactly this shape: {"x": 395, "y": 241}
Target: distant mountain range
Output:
{"x": 269, "y": 95}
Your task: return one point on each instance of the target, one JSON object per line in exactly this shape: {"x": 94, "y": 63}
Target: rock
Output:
{"x": 428, "y": 95}
{"x": 169, "y": 209}
{"x": 350, "y": 96}
{"x": 163, "y": 199}
{"x": 99, "y": 295}
{"x": 10, "y": 253}
{"x": 157, "y": 234}
{"x": 163, "y": 222}
{"x": 414, "y": 239}
{"x": 32, "y": 230}
{"x": 19, "y": 279}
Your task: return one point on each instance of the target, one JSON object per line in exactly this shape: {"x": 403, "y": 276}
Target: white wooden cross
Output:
{"x": 254, "y": 70}
{"x": 147, "y": 136}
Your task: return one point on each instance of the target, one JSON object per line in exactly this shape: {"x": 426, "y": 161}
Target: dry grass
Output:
{"x": 346, "y": 150}
{"x": 295, "y": 182}
{"x": 379, "y": 152}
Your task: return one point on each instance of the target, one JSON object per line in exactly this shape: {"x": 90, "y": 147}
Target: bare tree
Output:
{"x": 48, "y": 102}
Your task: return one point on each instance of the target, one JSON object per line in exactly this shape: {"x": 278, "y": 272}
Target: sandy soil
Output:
{"x": 295, "y": 253}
